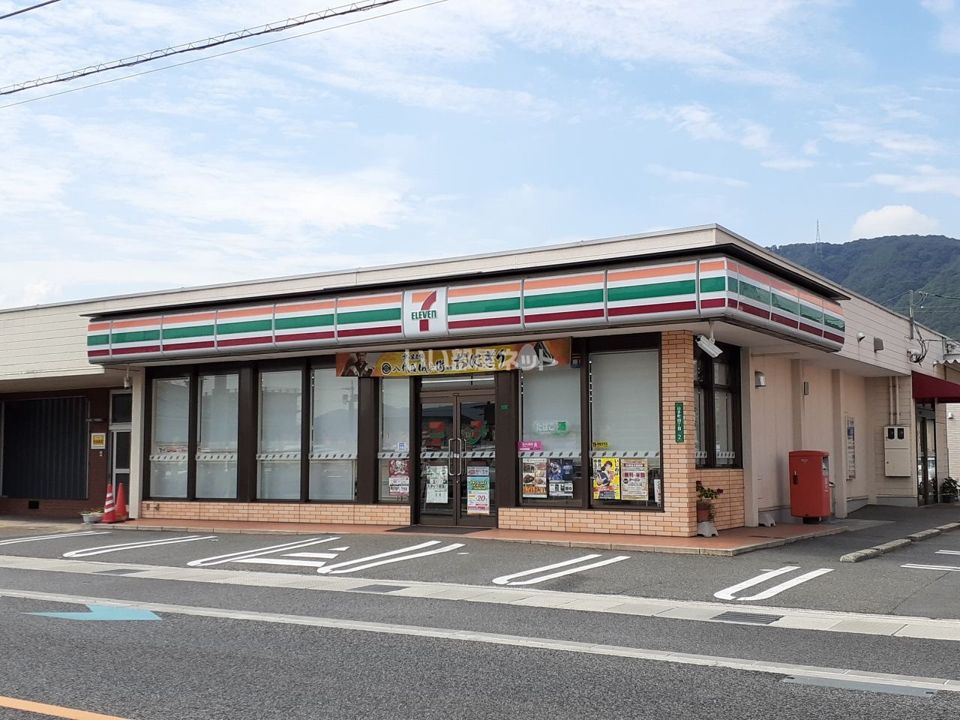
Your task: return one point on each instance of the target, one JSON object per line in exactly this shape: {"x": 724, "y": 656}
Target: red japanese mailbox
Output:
{"x": 810, "y": 484}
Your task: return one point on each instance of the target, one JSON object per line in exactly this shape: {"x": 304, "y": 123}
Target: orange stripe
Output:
{"x": 419, "y": 297}
{"x": 754, "y": 274}
{"x": 52, "y": 710}
{"x": 643, "y": 273}
{"x": 833, "y": 307}
{"x": 561, "y": 282}
{"x": 707, "y": 265}
{"x": 370, "y": 300}
{"x": 141, "y": 322}
{"x": 810, "y": 297}
{"x": 189, "y": 318}
{"x": 245, "y": 312}
{"x": 483, "y": 289}
{"x": 306, "y": 307}
{"x": 95, "y": 326}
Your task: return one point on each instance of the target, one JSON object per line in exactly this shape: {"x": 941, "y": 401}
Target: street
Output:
{"x": 208, "y": 625}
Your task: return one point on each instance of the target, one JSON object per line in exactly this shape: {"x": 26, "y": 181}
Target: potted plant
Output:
{"x": 705, "y": 498}
{"x": 948, "y": 490}
{"x": 91, "y": 516}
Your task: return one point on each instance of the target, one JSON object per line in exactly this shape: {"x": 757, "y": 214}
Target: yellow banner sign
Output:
{"x": 534, "y": 355}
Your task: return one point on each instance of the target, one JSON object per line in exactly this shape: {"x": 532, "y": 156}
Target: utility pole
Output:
{"x": 911, "y": 314}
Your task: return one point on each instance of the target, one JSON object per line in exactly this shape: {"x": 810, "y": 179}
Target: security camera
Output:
{"x": 708, "y": 346}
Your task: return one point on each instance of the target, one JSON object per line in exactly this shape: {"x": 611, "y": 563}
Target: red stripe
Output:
{"x": 325, "y": 335}
{"x": 568, "y": 315}
{"x": 659, "y": 308}
{"x": 198, "y": 345}
{"x": 427, "y": 305}
{"x": 832, "y": 336}
{"x": 245, "y": 341}
{"x": 784, "y": 320}
{"x": 731, "y": 303}
{"x": 714, "y": 303}
{"x": 488, "y": 322}
{"x": 386, "y": 330}
{"x": 136, "y": 350}
{"x": 811, "y": 329}
{"x": 751, "y": 310}
{"x": 97, "y": 353}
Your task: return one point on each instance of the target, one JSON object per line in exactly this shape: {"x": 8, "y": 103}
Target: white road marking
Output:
{"x": 730, "y": 592}
{"x": 35, "y": 538}
{"x": 944, "y": 568}
{"x": 948, "y": 552}
{"x": 510, "y": 579}
{"x": 283, "y": 561}
{"x": 324, "y": 556}
{"x": 257, "y": 552}
{"x": 88, "y": 552}
{"x": 391, "y": 557}
{"x": 457, "y": 635}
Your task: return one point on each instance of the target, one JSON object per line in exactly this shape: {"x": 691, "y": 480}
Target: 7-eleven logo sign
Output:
{"x": 425, "y": 312}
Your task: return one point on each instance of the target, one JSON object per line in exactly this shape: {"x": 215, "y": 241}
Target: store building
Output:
{"x": 583, "y": 387}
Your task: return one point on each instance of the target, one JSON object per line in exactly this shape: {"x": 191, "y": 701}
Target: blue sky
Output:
{"x": 462, "y": 127}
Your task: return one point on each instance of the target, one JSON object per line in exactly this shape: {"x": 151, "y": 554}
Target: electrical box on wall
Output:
{"x": 896, "y": 451}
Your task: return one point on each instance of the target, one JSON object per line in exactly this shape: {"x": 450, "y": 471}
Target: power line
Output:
{"x": 221, "y": 54}
{"x": 280, "y": 26}
{"x": 27, "y": 9}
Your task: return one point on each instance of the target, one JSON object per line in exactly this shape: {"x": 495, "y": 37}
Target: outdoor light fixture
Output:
{"x": 861, "y": 336}
{"x": 759, "y": 379}
{"x": 708, "y": 346}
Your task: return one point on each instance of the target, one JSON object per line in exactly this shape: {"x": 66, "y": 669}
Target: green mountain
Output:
{"x": 886, "y": 269}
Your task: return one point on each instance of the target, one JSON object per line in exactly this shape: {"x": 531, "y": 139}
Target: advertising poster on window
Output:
{"x": 606, "y": 478}
{"x": 478, "y": 490}
{"x": 437, "y": 486}
{"x": 534, "y": 477}
{"x": 560, "y": 478}
{"x": 633, "y": 480}
{"x": 398, "y": 478}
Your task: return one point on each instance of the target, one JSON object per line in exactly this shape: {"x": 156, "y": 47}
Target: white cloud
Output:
{"x": 890, "y": 141}
{"x": 694, "y": 177}
{"x": 925, "y": 179}
{"x": 949, "y": 15}
{"x": 787, "y": 163}
{"x": 893, "y": 220}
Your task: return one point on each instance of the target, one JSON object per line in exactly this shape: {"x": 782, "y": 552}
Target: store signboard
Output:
{"x": 478, "y": 490}
{"x": 678, "y": 429}
{"x": 98, "y": 441}
{"x": 534, "y": 355}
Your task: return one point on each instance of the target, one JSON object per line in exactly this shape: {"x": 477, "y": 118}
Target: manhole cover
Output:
{"x": 379, "y": 588}
{"x": 743, "y": 617}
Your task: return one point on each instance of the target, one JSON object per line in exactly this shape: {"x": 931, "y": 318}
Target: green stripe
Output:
{"x": 304, "y": 321}
{"x": 471, "y": 307}
{"x": 136, "y": 336}
{"x": 187, "y": 332}
{"x": 575, "y": 297}
{"x": 783, "y": 303}
{"x": 368, "y": 316}
{"x": 244, "y": 326}
{"x": 653, "y": 290}
{"x": 93, "y": 340}
{"x": 754, "y": 293}
{"x": 810, "y": 313}
{"x": 834, "y": 322}
{"x": 714, "y": 284}
{"x": 733, "y": 285}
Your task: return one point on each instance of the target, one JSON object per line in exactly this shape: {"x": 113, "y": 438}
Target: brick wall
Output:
{"x": 345, "y": 514}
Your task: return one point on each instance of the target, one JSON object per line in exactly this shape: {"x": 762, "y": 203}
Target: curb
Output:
{"x": 884, "y": 548}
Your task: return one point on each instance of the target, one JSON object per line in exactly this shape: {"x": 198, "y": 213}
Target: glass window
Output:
{"x": 549, "y": 454}
{"x": 717, "y": 411}
{"x": 394, "y": 455}
{"x": 168, "y": 446}
{"x": 217, "y": 436}
{"x": 625, "y": 426}
{"x": 121, "y": 408}
{"x": 278, "y": 452}
{"x": 333, "y": 436}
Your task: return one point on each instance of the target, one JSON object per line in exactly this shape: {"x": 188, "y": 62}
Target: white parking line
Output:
{"x": 948, "y": 552}
{"x": 943, "y": 568}
{"x": 88, "y": 552}
{"x": 730, "y": 592}
{"x": 363, "y": 563}
{"x": 35, "y": 538}
{"x": 257, "y": 552}
{"x": 509, "y": 579}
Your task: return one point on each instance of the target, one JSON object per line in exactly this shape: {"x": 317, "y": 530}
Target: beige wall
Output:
{"x": 953, "y": 439}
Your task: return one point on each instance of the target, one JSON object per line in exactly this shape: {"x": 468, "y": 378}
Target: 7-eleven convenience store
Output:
{"x": 583, "y": 387}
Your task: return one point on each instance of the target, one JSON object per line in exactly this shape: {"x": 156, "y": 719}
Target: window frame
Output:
{"x": 730, "y": 357}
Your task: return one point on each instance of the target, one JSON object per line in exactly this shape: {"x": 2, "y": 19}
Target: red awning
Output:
{"x": 927, "y": 387}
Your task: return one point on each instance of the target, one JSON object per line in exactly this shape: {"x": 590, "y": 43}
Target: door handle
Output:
{"x": 463, "y": 458}
{"x": 451, "y": 451}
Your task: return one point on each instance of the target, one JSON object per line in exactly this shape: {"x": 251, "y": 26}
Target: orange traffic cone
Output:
{"x": 121, "y": 512}
{"x": 109, "y": 509}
